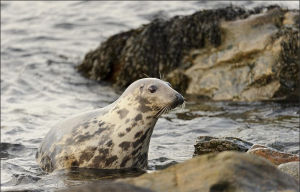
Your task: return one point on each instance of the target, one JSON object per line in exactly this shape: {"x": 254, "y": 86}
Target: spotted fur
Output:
{"x": 114, "y": 137}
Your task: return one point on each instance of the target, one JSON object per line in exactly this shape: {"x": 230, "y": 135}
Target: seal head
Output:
{"x": 114, "y": 137}
{"x": 154, "y": 96}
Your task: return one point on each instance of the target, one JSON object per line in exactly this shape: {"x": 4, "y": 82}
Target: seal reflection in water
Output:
{"x": 114, "y": 137}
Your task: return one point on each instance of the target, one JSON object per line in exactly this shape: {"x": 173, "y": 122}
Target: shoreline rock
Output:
{"x": 106, "y": 186}
{"x": 225, "y": 171}
{"x": 207, "y": 144}
{"x": 222, "y": 54}
{"x": 229, "y": 171}
{"x": 274, "y": 156}
{"x": 291, "y": 168}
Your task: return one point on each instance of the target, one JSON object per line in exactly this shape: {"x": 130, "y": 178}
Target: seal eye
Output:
{"x": 152, "y": 88}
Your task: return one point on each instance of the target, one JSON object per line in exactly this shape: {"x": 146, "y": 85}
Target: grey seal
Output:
{"x": 114, "y": 137}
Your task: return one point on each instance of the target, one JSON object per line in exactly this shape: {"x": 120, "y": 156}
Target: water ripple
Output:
{"x": 41, "y": 44}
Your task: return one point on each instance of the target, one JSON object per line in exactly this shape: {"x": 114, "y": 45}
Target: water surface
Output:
{"x": 42, "y": 42}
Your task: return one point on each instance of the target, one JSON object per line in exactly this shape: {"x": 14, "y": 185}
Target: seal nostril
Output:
{"x": 179, "y": 98}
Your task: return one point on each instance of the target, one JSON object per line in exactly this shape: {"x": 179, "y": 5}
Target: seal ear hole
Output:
{"x": 142, "y": 87}
{"x": 169, "y": 84}
{"x": 152, "y": 88}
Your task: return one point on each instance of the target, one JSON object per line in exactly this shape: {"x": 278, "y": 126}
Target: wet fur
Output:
{"x": 113, "y": 137}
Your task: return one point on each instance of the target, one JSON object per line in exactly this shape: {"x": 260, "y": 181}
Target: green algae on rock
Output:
{"x": 223, "y": 54}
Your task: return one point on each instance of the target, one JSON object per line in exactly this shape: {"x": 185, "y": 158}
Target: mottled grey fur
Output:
{"x": 114, "y": 137}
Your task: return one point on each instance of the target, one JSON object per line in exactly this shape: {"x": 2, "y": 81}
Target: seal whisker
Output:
{"x": 146, "y": 75}
{"x": 182, "y": 106}
{"x": 164, "y": 110}
{"x": 159, "y": 112}
{"x": 168, "y": 109}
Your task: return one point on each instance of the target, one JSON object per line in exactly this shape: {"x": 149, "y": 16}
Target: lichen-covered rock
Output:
{"x": 274, "y": 156}
{"x": 178, "y": 80}
{"x": 256, "y": 61}
{"x": 156, "y": 48}
{"x": 224, "y": 54}
{"x": 225, "y": 171}
{"x": 291, "y": 168}
{"x": 207, "y": 144}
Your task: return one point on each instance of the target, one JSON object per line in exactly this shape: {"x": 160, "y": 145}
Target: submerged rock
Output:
{"x": 224, "y": 54}
{"x": 274, "y": 156}
{"x": 207, "y": 144}
{"x": 226, "y": 171}
{"x": 291, "y": 168}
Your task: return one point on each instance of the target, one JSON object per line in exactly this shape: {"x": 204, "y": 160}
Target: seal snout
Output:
{"x": 179, "y": 99}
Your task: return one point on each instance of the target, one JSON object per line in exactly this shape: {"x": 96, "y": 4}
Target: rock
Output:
{"x": 106, "y": 186}
{"x": 225, "y": 171}
{"x": 291, "y": 168}
{"x": 223, "y": 54}
{"x": 156, "y": 48}
{"x": 178, "y": 80}
{"x": 257, "y": 60}
{"x": 207, "y": 144}
{"x": 256, "y": 146}
{"x": 274, "y": 156}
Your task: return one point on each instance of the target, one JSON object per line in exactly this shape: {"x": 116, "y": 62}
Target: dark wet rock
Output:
{"x": 207, "y": 144}
{"x": 274, "y": 156}
{"x": 155, "y": 48}
{"x": 226, "y": 171}
{"x": 291, "y": 168}
{"x": 105, "y": 187}
{"x": 223, "y": 54}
